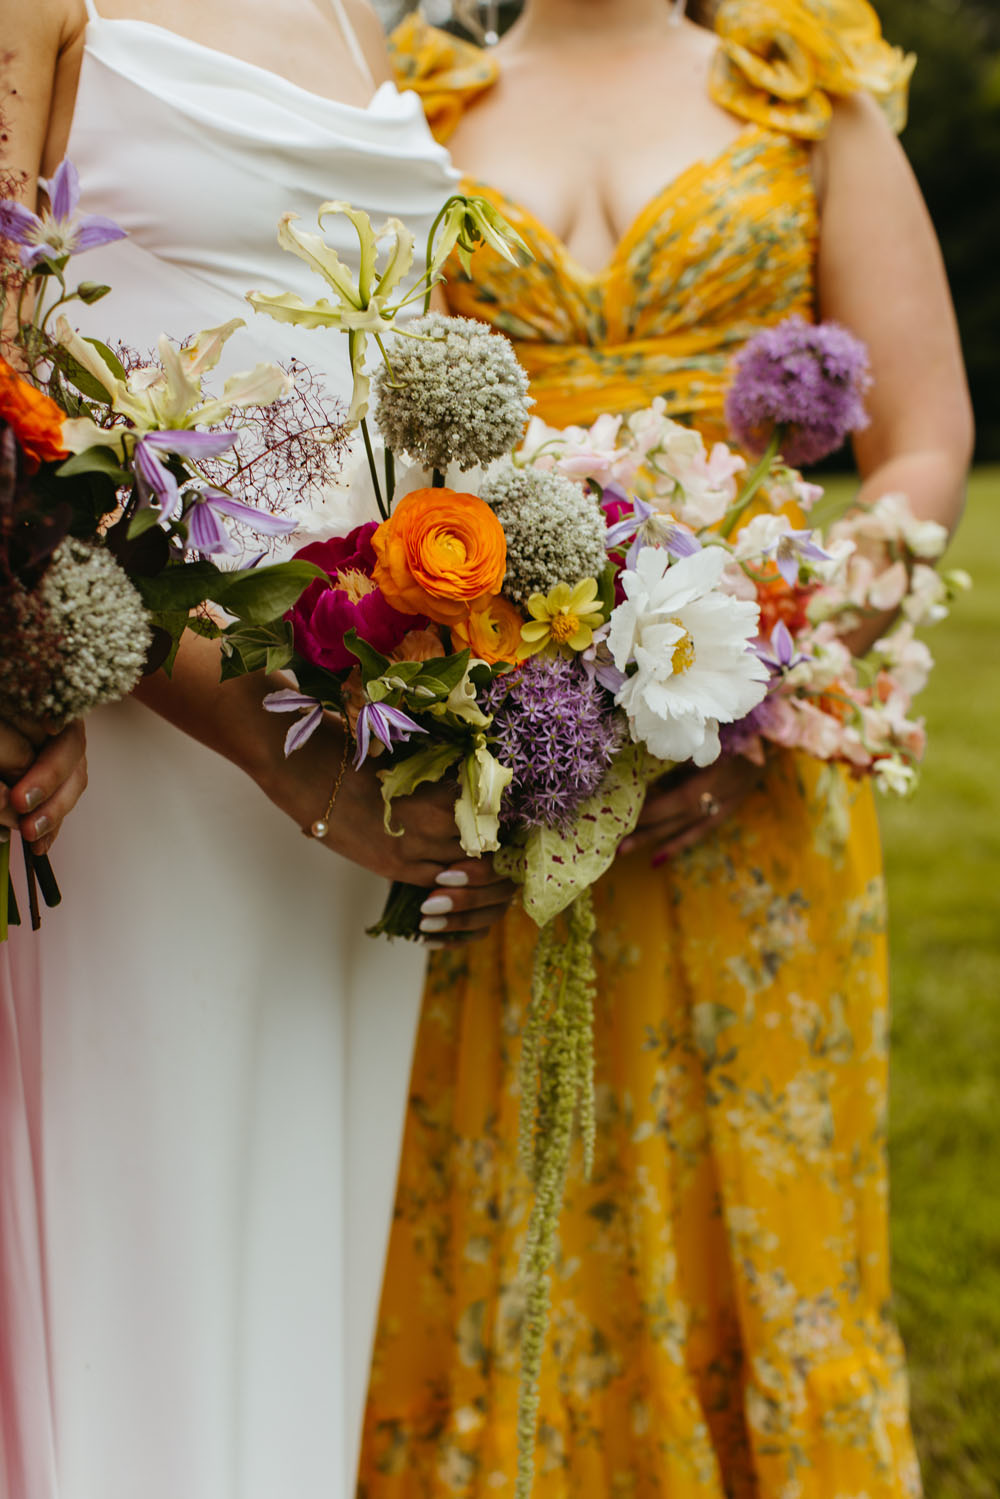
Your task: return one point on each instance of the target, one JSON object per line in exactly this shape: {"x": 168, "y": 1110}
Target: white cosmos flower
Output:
{"x": 690, "y": 643}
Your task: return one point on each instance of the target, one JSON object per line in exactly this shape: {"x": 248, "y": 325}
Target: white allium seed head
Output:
{"x": 555, "y": 529}
{"x": 456, "y": 394}
{"x": 82, "y": 638}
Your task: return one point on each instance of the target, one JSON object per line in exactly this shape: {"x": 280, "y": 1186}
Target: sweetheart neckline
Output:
{"x": 189, "y": 41}
{"x": 701, "y": 167}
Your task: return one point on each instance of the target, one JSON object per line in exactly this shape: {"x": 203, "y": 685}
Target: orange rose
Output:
{"x": 492, "y": 633}
{"x": 439, "y": 553}
{"x": 34, "y": 418}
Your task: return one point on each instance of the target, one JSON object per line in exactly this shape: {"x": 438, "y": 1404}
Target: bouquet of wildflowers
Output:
{"x": 122, "y": 479}
{"x": 581, "y": 615}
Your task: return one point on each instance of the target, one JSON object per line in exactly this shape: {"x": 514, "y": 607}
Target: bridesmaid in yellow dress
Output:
{"x": 720, "y": 1320}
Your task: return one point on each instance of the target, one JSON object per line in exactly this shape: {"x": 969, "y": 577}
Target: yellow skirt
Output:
{"x": 720, "y": 1322}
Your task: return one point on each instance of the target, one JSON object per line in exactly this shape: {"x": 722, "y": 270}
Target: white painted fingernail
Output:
{"x": 437, "y": 905}
{"x": 456, "y": 878}
{"x": 434, "y": 924}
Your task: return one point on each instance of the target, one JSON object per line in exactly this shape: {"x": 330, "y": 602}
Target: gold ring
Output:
{"x": 708, "y": 805}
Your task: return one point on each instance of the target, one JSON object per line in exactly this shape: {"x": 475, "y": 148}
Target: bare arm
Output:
{"x": 881, "y": 274}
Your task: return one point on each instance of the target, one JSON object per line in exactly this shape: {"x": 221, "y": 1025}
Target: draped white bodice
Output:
{"x": 196, "y": 155}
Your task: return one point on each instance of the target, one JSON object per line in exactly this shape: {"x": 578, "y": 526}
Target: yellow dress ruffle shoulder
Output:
{"x": 721, "y": 1324}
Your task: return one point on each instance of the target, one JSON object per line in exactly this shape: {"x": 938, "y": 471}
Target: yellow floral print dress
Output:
{"x": 720, "y": 1323}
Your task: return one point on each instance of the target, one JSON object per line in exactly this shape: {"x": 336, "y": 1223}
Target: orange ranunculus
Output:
{"x": 33, "y": 417}
{"x": 493, "y": 633}
{"x": 439, "y": 553}
{"x": 419, "y": 645}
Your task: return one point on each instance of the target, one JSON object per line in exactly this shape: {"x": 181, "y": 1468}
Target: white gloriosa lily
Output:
{"x": 361, "y": 307}
{"x": 688, "y": 645}
{"x": 467, "y": 222}
{"x": 167, "y": 396}
{"x": 482, "y": 781}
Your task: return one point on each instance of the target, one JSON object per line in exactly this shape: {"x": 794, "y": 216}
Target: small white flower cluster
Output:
{"x": 455, "y": 393}
{"x": 555, "y": 529}
{"x": 84, "y": 639}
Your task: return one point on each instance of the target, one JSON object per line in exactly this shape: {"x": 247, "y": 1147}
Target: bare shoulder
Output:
{"x": 51, "y": 24}
{"x": 370, "y": 34}
{"x": 859, "y": 143}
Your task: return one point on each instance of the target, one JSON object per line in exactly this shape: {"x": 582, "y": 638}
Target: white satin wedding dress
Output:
{"x": 224, "y": 1054}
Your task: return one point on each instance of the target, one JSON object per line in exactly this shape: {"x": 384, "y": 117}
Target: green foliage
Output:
{"x": 942, "y": 859}
{"x": 953, "y": 142}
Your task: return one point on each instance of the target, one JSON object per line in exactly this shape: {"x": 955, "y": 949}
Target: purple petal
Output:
{"x": 63, "y": 190}
{"x": 18, "y": 223}
{"x": 396, "y": 719}
{"x": 287, "y": 700}
{"x": 782, "y": 644}
{"x": 610, "y": 678}
{"x": 681, "y": 541}
{"x": 156, "y": 479}
{"x": 191, "y": 444}
{"x": 787, "y": 563}
{"x": 206, "y": 533}
{"x": 364, "y": 733}
{"x": 260, "y": 520}
{"x": 302, "y": 730}
{"x": 92, "y": 231}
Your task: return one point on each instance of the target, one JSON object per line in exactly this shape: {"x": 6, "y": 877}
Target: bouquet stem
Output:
{"x": 6, "y": 889}
{"x": 557, "y": 1088}
{"x": 401, "y": 914}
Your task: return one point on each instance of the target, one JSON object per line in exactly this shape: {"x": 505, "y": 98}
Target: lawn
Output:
{"x": 943, "y": 863}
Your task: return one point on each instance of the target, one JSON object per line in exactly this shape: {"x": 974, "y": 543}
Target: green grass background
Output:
{"x": 942, "y": 852}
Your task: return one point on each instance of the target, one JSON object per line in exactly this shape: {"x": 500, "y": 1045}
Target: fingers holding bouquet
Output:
{"x": 42, "y": 777}
{"x": 688, "y": 805}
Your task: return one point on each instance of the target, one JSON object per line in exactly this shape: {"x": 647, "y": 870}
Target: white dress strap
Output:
{"x": 92, "y": 11}
{"x": 350, "y": 36}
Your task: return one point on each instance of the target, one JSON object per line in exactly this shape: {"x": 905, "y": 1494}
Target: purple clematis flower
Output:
{"x": 388, "y": 725}
{"x": 207, "y": 534}
{"x": 780, "y": 655}
{"x": 288, "y": 701}
{"x": 794, "y": 548}
{"x": 649, "y": 528}
{"x": 155, "y": 478}
{"x": 58, "y": 231}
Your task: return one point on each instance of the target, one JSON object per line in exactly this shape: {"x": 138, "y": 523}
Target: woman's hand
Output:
{"x": 465, "y": 896}
{"x": 42, "y": 777}
{"x": 687, "y": 805}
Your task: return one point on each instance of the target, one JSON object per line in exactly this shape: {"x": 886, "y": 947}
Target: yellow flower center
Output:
{"x": 684, "y": 655}
{"x": 564, "y": 627}
{"x": 354, "y": 583}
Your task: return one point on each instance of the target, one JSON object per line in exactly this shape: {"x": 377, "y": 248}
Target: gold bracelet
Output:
{"x": 321, "y": 826}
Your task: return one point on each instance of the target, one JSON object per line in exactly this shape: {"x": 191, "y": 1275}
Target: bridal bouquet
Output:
{"x": 121, "y": 478}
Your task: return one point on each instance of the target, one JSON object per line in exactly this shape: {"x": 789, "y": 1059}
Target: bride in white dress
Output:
{"x": 193, "y": 1219}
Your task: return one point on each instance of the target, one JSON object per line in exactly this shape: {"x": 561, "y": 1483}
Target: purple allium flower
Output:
{"x": 553, "y": 727}
{"x": 807, "y": 379}
{"x": 58, "y": 231}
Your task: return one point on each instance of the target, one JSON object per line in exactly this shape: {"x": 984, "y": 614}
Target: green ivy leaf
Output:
{"x": 182, "y": 587}
{"x": 263, "y": 594}
{"x": 373, "y": 663}
{"x": 98, "y": 460}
